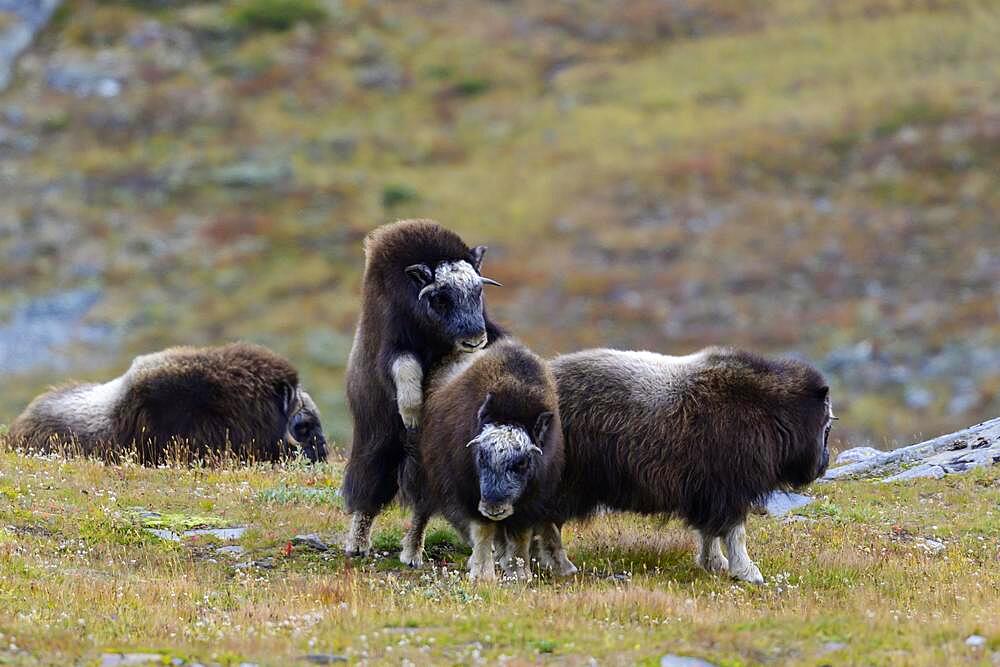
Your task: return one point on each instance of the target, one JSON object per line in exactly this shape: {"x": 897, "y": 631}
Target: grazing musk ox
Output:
{"x": 239, "y": 400}
{"x": 705, "y": 437}
{"x": 489, "y": 455}
{"x": 422, "y": 300}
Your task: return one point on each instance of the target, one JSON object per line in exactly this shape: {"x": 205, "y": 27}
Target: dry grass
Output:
{"x": 792, "y": 176}
{"x": 80, "y": 577}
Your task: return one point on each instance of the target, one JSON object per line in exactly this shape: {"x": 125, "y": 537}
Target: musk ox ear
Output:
{"x": 542, "y": 427}
{"x": 420, "y": 274}
{"x": 478, "y": 253}
{"x": 484, "y": 411}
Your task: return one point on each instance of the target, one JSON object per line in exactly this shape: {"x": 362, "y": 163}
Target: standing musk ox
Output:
{"x": 238, "y": 400}
{"x": 489, "y": 455}
{"x": 422, "y": 300}
{"x": 705, "y": 437}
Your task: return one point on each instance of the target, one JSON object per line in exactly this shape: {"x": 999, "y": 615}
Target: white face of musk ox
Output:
{"x": 450, "y": 301}
{"x": 506, "y": 458}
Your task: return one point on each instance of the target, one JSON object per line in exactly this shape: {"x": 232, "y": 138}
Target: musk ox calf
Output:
{"x": 488, "y": 457}
{"x": 422, "y": 300}
{"x": 705, "y": 437}
{"x": 238, "y": 400}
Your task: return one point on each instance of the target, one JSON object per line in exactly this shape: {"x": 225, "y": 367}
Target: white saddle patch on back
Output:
{"x": 90, "y": 405}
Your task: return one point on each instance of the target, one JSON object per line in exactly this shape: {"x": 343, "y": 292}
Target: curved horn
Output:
{"x": 535, "y": 448}
{"x": 489, "y": 281}
{"x": 425, "y": 291}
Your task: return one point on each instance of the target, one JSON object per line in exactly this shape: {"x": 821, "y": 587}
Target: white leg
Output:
{"x": 481, "y": 561}
{"x": 514, "y": 561}
{"x": 555, "y": 556}
{"x": 409, "y": 378}
{"x": 413, "y": 542}
{"x": 359, "y": 535}
{"x": 740, "y": 565}
{"x": 710, "y": 555}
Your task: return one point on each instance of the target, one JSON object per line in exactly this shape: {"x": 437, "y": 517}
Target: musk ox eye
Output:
{"x": 520, "y": 466}
{"x": 440, "y": 302}
{"x": 302, "y": 430}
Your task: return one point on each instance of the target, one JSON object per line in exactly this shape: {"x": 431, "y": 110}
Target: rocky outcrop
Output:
{"x": 23, "y": 20}
{"x": 949, "y": 454}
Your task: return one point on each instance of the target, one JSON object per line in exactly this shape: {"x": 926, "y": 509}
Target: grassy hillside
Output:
{"x": 852, "y": 579}
{"x": 797, "y": 176}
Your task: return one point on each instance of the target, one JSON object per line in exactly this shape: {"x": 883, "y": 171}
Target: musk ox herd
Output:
{"x": 455, "y": 417}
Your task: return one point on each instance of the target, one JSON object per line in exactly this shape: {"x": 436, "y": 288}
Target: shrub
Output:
{"x": 277, "y": 15}
{"x": 395, "y": 194}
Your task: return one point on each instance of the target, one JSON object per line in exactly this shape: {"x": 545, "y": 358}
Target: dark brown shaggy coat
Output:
{"x": 441, "y": 477}
{"x": 187, "y": 402}
{"x": 704, "y": 437}
{"x": 387, "y": 329}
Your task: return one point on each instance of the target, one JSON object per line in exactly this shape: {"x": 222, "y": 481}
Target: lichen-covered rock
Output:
{"x": 856, "y": 454}
{"x": 948, "y": 454}
{"x": 24, "y": 20}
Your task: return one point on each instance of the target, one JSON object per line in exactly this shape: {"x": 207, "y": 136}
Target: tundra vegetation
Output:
{"x": 783, "y": 175}
{"x": 775, "y": 175}
{"x": 852, "y": 578}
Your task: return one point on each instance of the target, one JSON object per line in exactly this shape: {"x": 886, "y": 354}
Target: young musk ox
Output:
{"x": 705, "y": 437}
{"x": 489, "y": 454}
{"x": 422, "y": 300}
{"x": 237, "y": 400}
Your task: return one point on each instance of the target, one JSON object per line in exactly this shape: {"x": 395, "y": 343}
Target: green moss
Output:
{"x": 178, "y": 522}
{"x": 98, "y": 528}
{"x": 277, "y": 15}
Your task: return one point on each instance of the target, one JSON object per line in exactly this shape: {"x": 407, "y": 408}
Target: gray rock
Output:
{"x": 918, "y": 397}
{"x": 253, "y": 174}
{"x": 975, "y": 641}
{"x": 227, "y": 534}
{"x": 831, "y": 647}
{"x": 933, "y": 547}
{"x": 780, "y": 503}
{"x": 39, "y": 330}
{"x": 125, "y": 659}
{"x": 856, "y": 454}
{"x": 380, "y": 76}
{"x": 959, "y": 451}
{"x": 104, "y": 75}
{"x": 917, "y": 472}
{"x": 219, "y": 533}
{"x": 312, "y": 540}
{"x": 324, "y": 658}
{"x": 26, "y": 18}
{"x": 671, "y": 660}
{"x": 233, "y": 550}
{"x": 973, "y": 455}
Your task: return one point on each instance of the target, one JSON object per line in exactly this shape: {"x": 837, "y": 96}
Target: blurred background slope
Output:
{"x": 796, "y": 176}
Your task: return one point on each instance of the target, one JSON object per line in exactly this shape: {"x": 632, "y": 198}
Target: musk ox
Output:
{"x": 488, "y": 456}
{"x": 705, "y": 437}
{"x": 239, "y": 400}
{"x": 422, "y": 299}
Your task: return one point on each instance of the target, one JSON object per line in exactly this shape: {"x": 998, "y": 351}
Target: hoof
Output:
{"x": 750, "y": 574}
{"x": 411, "y": 559}
{"x": 716, "y": 564}
{"x": 567, "y": 569}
